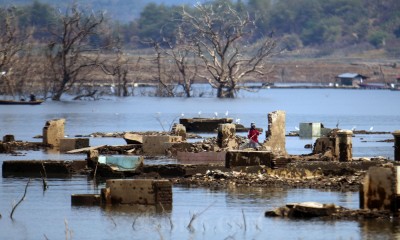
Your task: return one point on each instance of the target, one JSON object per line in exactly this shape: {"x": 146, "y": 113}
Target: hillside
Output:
{"x": 122, "y": 10}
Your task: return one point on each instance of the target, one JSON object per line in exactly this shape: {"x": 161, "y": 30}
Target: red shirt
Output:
{"x": 253, "y": 134}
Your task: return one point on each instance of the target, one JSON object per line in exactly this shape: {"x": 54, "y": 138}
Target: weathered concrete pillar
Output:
{"x": 344, "y": 145}
{"x": 276, "y": 134}
{"x": 396, "y": 135}
{"x": 180, "y": 130}
{"x": 53, "y": 131}
{"x": 227, "y": 136}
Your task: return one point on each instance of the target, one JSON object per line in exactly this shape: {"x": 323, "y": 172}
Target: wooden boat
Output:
{"x": 14, "y": 102}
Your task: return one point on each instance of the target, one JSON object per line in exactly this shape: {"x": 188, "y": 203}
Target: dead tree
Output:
{"x": 220, "y": 37}
{"x": 164, "y": 89}
{"x": 185, "y": 63}
{"x": 14, "y": 53}
{"x": 118, "y": 67}
{"x": 71, "y": 54}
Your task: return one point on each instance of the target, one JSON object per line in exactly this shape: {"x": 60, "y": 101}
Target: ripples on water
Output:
{"x": 50, "y": 214}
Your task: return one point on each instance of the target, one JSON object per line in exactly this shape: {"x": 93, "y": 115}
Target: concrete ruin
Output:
{"x": 237, "y": 158}
{"x": 130, "y": 192}
{"x": 203, "y": 124}
{"x": 335, "y": 148}
{"x": 179, "y": 130}
{"x": 276, "y": 133}
{"x": 157, "y": 145}
{"x": 53, "y": 131}
{"x": 227, "y": 136}
{"x": 68, "y": 144}
{"x": 380, "y": 189}
{"x": 396, "y": 135}
{"x": 344, "y": 146}
{"x": 310, "y": 130}
{"x": 201, "y": 157}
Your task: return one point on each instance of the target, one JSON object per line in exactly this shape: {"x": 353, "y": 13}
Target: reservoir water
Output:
{"x": 233, "y": 213}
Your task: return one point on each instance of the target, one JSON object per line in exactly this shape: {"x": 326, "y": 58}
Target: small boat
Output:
{"x": 14, "y": 102}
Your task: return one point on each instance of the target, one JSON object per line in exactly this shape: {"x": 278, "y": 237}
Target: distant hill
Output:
{"x": 121, "y": 10}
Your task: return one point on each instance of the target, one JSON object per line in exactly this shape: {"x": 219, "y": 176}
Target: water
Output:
{"x": 233, "y": 213}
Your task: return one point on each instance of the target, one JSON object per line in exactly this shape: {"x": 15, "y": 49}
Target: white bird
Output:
{"x": 237, "y": 121}
{"x": 226, "y": 113}
{"x": 371, "y": 128}
{"x": 215, "y": 114}
{"x": 182, "y": 114}
{"x": 199, "y": 113}
{"x": 353, "y": 128}
{"x": 295, "y": 127}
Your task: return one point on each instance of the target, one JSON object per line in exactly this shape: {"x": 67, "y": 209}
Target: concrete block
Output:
{"x": 67, "y": 144}
{"x": 157, "y": 145}
{"x": 344, "y": 146}
{"x": 53, "y": 131}
{"x": 140, "y": 191}
{"x": 201, "y": 157}
{"x": 235, "y": 158}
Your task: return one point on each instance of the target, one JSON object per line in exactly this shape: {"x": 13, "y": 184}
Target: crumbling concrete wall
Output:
{"x": 201, "y": 157}
{"x": 377, "y": 190}
{"x": 327, "y": 147}
{"x": 235, "y": 158}
{"x": 139, "y": 191}
{"x": 227, "y": 136}
{"x": 157, "y": 145}
{"x": 276, "y": 134}
{"x": 67, "y": 144}
{"x": 53, "y": 131}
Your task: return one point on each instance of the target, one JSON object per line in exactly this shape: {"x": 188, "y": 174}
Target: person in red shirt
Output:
{"x": 253, "y": 136}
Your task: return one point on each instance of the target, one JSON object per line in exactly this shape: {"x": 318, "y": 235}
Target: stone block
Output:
{"x": 53, "y": 131}
{"x": 201, "y": 157}
{"x": 67, "y": 144}
{"x": 140, "y": 191}
{"x": 157, "y": 145}
{"x": 235, "y": 158}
